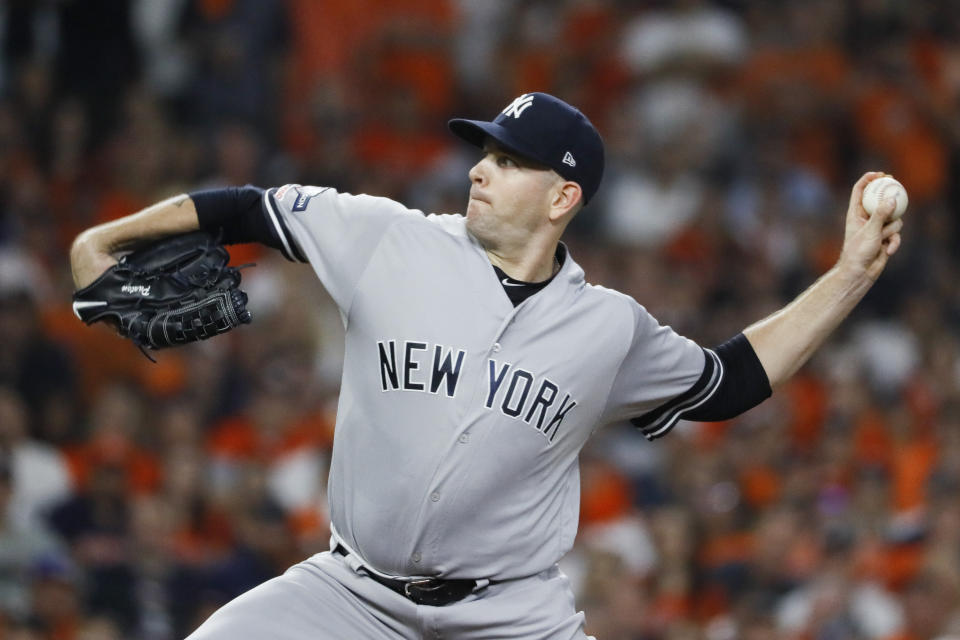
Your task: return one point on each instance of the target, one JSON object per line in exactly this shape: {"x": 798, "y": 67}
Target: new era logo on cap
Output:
{"x": 558, "y": 136}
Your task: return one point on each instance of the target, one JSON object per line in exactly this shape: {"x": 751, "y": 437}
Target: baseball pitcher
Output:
{"x": 478, "y": 363}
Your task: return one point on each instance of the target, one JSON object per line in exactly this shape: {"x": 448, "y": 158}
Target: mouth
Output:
{"x": 479, "y": 198}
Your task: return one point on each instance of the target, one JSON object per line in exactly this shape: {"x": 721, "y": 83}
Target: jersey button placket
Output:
{"x": 496, "y": 347}
{"x": 464, "y": 438}
{"x": 435, "y": 496}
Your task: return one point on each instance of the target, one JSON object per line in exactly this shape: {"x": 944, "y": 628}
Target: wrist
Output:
{"x": 852, "y": 278}
{"x": 852, "y": 270}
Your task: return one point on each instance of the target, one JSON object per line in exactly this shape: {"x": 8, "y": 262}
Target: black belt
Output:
{"x": 429, "y": 591}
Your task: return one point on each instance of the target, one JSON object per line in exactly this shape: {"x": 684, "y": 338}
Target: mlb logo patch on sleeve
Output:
{"x": 304, "y": 194}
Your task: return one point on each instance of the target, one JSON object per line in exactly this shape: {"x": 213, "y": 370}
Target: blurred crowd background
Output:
{"x": 135, "y": 498}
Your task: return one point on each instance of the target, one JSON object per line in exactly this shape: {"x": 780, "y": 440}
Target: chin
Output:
{"x": 477, "y": 223}
{"x": 473, "y": 220}
{"x": 474, "y": 213}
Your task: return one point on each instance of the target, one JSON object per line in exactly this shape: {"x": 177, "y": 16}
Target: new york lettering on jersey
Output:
{"x": 408, "y": 365}
{"x": 411, "y": 374}
{"x": 516, "y": 400}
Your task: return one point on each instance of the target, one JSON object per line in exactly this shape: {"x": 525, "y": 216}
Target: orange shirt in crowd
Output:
{"x": 808, "y": 398}
{"x": 912, "y": 466}
{"x": 141, "y": 468}
{"x": 773, "y": 75}
{"x": 891, "y": 124}
{"x": 872, "y": 444}
{"x": 336, "y": 43}
{"x": 605, "y": 496}
{"x": 238, "y": 438}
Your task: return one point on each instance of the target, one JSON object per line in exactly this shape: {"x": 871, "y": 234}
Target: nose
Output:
{"x": 478, "y": 174}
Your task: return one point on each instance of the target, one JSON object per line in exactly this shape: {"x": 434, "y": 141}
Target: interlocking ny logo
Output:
{"x": 518, "y": 106}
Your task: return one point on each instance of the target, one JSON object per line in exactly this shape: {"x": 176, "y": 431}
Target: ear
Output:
{"x": 565, "y": 199}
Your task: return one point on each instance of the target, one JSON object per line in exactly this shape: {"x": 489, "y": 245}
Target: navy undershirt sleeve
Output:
{"x": 733, "y": 381}
{"x": 743, "y": 386}
{"x": 237, "y": 213}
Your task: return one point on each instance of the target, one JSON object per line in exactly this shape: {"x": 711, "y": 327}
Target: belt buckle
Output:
{"x": 414, "y": 588}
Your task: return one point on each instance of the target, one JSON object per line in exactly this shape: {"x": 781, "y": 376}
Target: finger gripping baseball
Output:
{"x": 172, "y": 292}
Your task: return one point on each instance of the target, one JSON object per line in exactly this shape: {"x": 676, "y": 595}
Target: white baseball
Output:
{"x": 881, "y": 189}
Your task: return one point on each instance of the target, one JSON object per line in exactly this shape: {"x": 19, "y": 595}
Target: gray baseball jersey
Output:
{"x": 461, "y": 416}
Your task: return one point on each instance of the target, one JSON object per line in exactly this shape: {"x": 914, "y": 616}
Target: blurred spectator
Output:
{"x": 236, "y": 46}
{"x": 690, "y": 34}
{"x": 96, "y": 525}
{"x": 115, "y": 442}
{"x": 22, "y": 547}
{"x": 41, "y": 370}
{"x": 39, "y": 471}
{"x": 476, "y": 55}
{"x": 97, "y": 58}
{"x": 98, "y": 628}
{"x": 56, "y": 598}
{"x": 837, "y": 604}
{"x": 893, "y": 123}
{"x": 795, "y": 83}
{"x": 279, "y": 431}
{"x": 165, "y": 63}
{"x": 669, "y": 196}
{"x": 28, "y": 31}
{"x": 675, "y": 126}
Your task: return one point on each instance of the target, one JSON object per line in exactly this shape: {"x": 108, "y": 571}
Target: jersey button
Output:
{"x": 465, "y": 438}
{"x": 435, "y": 496}
{"x": 416, "y": 556}
{"x": 496, "y": 347}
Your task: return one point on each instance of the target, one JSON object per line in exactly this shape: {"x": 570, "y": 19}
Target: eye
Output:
{"x": 506, "y": 161}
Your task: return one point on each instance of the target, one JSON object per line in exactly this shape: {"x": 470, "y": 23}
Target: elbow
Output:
{"x": 78, "y": 248}
{"x": 88, "y": 258}
{"x": 84, "y": 247}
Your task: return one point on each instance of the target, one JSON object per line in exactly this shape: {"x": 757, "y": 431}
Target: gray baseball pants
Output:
{"x": 324, "y": 598}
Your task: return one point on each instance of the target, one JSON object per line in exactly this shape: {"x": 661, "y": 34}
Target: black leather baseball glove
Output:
{"x": 174, "y": 291}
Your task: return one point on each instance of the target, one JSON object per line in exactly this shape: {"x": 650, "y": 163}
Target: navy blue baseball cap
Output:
{"x": 546, "y": 130}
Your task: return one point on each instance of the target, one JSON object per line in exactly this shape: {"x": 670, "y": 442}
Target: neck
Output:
{"x": 532, "y": 265}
